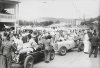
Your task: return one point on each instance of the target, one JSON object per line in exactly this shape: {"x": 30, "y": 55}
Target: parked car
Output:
{"x": 62, "y": 46}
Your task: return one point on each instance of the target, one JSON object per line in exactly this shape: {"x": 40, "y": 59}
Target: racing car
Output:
{"x": 28, "y": 56}
{"x": 62, "y": 46}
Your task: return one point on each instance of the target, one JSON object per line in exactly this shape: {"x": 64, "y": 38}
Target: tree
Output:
{"x": 46, "y": 23}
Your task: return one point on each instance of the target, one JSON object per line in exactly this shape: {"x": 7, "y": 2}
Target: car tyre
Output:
{"x": 63, "y": 51}
{"x": 28, "y": 63}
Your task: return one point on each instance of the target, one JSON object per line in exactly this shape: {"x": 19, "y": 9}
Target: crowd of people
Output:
{"x": 11, "y": 41}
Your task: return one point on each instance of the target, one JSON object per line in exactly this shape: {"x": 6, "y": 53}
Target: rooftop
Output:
{"x": 8, "y": 3}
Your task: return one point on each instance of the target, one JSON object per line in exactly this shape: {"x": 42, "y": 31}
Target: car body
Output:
{"x": 62, "y": 46}
{"x": 28, "y": 56}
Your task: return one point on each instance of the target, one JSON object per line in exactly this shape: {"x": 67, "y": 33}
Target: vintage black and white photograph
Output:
{"x": 49, "y": 33}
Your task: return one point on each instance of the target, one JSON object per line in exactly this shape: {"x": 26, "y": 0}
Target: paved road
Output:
{"x": 73, "y": 59}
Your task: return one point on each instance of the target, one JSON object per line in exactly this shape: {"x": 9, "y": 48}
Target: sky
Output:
{"x": 70, "y": 9}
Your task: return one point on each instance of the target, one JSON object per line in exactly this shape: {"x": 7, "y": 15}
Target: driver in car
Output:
{"x": 33, "y": 43}
{"x": 29, "y": 46}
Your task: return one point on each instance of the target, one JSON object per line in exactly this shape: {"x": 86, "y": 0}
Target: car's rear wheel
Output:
{"x": 28, "y": 63}
{"x": 52, "y": 54}
{"x": 63, "y": 50}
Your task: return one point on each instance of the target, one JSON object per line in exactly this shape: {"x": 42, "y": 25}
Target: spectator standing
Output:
{"x": 94, "y": 45}
{"x": 47, "y": 45}
{"x": 7, "y": 52}
{"x": 2, "y": 58}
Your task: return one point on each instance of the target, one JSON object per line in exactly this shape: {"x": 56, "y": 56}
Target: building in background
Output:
{"x": 8, "y": 13}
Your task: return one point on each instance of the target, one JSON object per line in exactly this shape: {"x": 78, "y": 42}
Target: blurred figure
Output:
{"x": 80, "y": 42}
{"x": 8, "y": 48}
{"x": 87, "y": 43}
{"x": 25, "y": 38}
{"x": 0, "y": 44}
{"x": 94, "y": 45}
{"x": 47, "y": 45}
{"x": 33, "y": 43}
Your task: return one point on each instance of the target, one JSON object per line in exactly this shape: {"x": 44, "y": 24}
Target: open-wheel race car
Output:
{"x": 28, "y": 56}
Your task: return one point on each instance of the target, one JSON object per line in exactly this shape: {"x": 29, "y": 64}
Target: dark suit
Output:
{"x": 94, "y": 46}
{"x": 24, "y": 39}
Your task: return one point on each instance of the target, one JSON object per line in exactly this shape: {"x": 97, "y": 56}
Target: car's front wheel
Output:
{"x": 63, "y": 51}
{"x": 28, "y": 63}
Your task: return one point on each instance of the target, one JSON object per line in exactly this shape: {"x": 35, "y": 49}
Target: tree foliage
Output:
{"x": 90, "y": 22}
{"x": 44, "y": 23}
